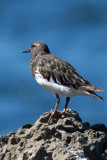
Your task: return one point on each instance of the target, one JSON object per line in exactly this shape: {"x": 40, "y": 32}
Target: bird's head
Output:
{"x": 38, "y": 48}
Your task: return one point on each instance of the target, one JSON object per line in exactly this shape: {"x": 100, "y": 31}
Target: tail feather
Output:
{"x": 93, "y": 94}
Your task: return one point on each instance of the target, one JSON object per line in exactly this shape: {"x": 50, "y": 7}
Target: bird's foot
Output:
{"x": 55, "y": 113}
{"x": 60, "y": 112}
{"x": 48, "y": 112}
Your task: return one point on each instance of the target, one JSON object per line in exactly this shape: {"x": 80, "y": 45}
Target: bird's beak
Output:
{"x": 27, "y": 51}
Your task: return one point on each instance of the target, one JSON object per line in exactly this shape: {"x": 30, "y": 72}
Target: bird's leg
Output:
{"x": 56, "y": 107}
{"x": 65, "y": 107}
{"x": 67, "y": 101}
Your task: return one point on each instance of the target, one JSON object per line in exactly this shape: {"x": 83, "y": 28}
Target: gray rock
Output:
{"x": 65, "y": 138}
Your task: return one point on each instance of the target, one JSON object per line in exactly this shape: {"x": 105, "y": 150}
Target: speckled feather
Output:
{"x": 60, "y": 71}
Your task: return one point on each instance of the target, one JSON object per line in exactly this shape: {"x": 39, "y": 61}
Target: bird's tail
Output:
{"x": 90, "y": 90}
{"x": 93, "y": 94}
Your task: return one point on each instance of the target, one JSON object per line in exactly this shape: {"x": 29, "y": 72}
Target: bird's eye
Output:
{"x": 33, "y": 46}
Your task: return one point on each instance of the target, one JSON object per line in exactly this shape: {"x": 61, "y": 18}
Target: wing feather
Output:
{"x": 63, "y": 73}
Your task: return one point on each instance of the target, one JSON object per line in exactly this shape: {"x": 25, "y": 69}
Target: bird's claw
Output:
{"x": 52, "y": 113}
{"x": 48, "y": 112}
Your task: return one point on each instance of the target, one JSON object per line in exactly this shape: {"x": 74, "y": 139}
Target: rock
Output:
{"x": 65, "y": 138}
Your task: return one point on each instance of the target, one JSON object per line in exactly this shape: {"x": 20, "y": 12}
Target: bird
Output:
{"x": 58, "y": 76}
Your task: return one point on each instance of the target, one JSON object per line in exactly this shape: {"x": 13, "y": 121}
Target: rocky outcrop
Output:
{"x": 65, "y": 138}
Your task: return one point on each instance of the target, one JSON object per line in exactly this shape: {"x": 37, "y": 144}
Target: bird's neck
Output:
{"x": 40, "y": 53}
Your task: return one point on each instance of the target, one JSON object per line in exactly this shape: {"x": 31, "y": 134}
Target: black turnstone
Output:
{"x": 58, "y": 76}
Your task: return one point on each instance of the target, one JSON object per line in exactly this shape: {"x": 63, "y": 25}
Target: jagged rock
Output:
{"x": 65, "y": 138}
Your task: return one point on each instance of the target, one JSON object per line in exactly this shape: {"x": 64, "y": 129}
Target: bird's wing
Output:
{"x": 61, "y": 72}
